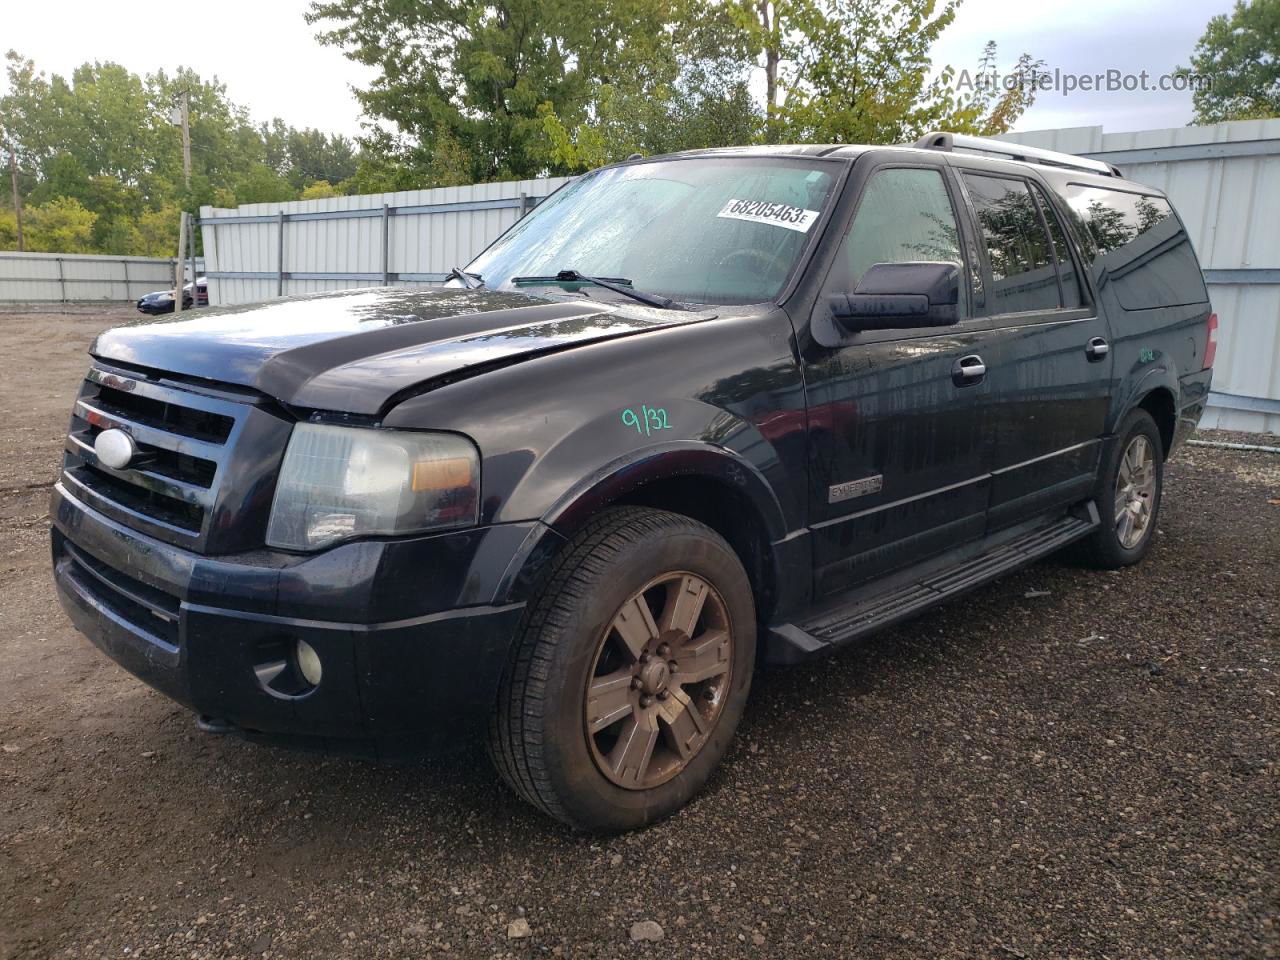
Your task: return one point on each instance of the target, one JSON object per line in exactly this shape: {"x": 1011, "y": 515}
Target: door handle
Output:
{"x": 968, "y": 370}
{"x": 1096, "y": 349}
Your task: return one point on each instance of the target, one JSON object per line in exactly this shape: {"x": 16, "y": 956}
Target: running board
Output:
{"x": 849, "y": 619}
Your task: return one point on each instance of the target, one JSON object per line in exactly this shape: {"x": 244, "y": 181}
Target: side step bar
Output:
{"x": 848, "y": 620}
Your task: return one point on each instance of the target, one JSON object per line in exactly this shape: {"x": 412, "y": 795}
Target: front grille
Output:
{"x": 183, "y": 438}
{"x": 147, "y": 610}
{"x": 161, "y": 414}
{"x": 141, "y": 500}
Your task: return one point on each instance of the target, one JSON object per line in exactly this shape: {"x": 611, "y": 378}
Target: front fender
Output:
{"x": 700, "y": 397}
{"x": 605, "y": 458}
{"x": 563, "y": 434}
{"x": 614, "y": 481}
{"x": 624, "y": 475}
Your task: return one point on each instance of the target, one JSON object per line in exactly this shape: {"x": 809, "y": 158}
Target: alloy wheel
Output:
{"x": 659, "y": 680}
{"x": 1135, "y": 492}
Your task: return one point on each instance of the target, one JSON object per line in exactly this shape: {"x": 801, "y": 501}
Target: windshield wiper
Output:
{"x": 616, "y": 284}
{"x": 471, "y": 281}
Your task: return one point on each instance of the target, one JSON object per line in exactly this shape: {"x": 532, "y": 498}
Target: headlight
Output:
{"x": 337, "y": 483}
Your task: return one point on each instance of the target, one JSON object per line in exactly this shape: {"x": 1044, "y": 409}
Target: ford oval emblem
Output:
{"x": 115, "y": 448}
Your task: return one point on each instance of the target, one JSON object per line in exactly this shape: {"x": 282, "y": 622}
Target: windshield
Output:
{"x": 706, "y": 230}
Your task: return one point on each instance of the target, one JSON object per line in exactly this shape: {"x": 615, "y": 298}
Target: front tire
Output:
{"x": 630, "y": 674}
{"x": 1130, "y": 484}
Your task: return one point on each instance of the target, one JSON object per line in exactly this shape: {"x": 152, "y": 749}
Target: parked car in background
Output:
{"x": 161, "y": 301}
{"x": 691, "y": 413}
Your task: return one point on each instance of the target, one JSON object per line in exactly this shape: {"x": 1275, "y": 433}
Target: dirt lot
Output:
{"x": 1087, "y": 772}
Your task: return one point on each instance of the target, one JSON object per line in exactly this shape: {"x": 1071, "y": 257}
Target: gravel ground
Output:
{"x": 1091, "y": 772}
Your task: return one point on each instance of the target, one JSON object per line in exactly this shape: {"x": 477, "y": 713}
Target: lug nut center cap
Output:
{"x": 655, "y": 676}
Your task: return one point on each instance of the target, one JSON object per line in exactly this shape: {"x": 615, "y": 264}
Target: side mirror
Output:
{"x": 892, "y": 296}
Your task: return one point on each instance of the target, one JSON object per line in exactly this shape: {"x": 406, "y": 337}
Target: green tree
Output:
{"x": 858, "y": 71}
{"x": 116, "y": 206}
{"x": 386, "y": 164}
{"x": 24, "y": 119}
{"x": 469, "y": 84}
{"x": 307, "y": 155}
{"x": 687, "y": 93}
{"x": 103, "y": 137}
{"x": 225, "y": 145}
{"x": 155, "y": 234}
{"x": 1235, "y": 68}
{"x": 261, "y": 184}
{"x": 102, "y": 117}
{"x": 8, "y": 230}
{"x": 319, "y": 190}
{"x": 62, "y": 225}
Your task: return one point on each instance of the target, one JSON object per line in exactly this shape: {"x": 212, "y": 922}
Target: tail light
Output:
{"x": 1211, "y": 342}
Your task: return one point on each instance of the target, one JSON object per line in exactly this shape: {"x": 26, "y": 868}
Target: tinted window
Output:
{"x": 720, "y": 230}
{"x": 903, "y": 215}
{"x": 1139, "y": 247}
{"x": 1023, "y": 276}
{"x": 1066, "y": 264}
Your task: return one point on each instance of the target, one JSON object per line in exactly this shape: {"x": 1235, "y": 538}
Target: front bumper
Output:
{"x": 412, "y": 634}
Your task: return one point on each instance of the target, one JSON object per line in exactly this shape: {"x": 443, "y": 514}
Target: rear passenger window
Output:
{"x": 1023, "y": 276}
{"x": 1066, "y": 264}
{"x": 1140, "y": 247}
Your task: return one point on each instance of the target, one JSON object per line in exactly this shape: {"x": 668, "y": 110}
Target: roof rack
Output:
{"x": 940, "y": 140}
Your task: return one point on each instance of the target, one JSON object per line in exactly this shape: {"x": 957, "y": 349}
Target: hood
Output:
{"x": 355, "y": 350}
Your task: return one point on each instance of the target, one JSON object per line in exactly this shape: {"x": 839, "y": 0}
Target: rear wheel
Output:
{"x": 1130, "y": 483}
{"x": 631, "y": 673}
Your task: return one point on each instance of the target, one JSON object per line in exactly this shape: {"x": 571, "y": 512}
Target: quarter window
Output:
{"x": 1138, "y": 247}
{"x": 1023, "y": 276}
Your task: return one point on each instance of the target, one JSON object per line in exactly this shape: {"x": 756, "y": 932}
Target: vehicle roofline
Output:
{"x": 828, "y": 152}
{"x": 852, "y": 151}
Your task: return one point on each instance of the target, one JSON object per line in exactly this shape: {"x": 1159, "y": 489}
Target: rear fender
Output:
{"x": 1159, "y": 374}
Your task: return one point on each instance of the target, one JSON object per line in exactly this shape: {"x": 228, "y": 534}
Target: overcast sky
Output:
{"x": 268, "y": 58}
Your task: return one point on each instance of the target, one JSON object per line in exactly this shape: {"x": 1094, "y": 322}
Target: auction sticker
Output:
{"x": 776, "y": 214}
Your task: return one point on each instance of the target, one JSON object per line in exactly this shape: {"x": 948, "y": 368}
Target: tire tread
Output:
{"x": 1102, "y": 550}
{"x": 515, "y": 739}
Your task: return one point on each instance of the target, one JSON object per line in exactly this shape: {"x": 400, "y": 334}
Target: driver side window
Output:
{"x": 904, "y": 215}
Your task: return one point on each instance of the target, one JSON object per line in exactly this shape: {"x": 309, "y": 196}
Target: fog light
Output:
{"x": 308, "y": 662}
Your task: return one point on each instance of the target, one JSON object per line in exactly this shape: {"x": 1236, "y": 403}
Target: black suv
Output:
{"x": 692, "y": 413}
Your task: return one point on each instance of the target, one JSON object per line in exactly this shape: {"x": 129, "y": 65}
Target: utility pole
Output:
{"x": 191, "y": 258}
{"x": 17, "y": 197}
{"x": 186, "y": 138}
{"x": 179, "y": 266}
{"x": 180, "y": 116}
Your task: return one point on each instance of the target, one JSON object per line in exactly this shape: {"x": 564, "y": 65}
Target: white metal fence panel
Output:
{"x": 70, "y": 278}
{"x": 1224, "y": 181}
{"x": 411, "y": 238}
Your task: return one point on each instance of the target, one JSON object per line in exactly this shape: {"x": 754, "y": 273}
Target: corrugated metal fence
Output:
{"x": 1224, "y": 181}
{"x": 411, "y": 238}
{"x": 68, "y": 278}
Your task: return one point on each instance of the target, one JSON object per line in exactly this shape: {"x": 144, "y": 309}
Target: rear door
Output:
{"x": 1050, "y": 370}
{"x": 898, "y": 434}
